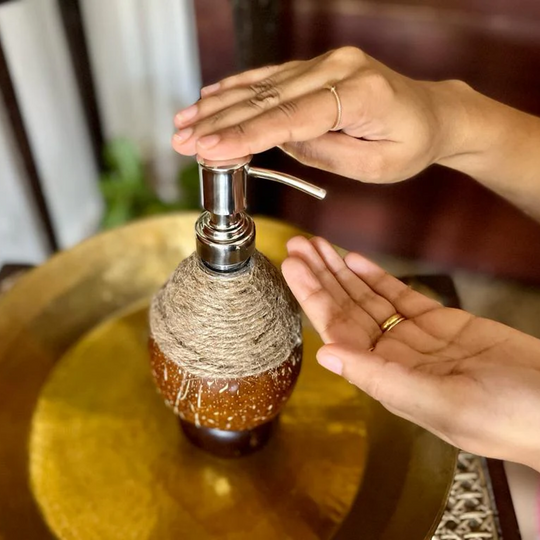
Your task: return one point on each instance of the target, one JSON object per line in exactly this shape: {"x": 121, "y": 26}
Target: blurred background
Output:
{"x": 90, "y": 88}
{"x": 89, "y": 91}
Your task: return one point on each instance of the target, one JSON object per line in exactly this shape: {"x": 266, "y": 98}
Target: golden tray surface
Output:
{"x": 88, "y": 450}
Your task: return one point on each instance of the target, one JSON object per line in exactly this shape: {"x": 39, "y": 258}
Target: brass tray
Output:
{"x": 66, "y": 427}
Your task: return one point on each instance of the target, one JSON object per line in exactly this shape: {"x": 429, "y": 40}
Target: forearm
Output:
{"x": 497, "y": 145}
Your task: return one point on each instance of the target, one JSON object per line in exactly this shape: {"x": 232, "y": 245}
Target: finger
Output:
{"x": 251, "y": 129}
{"x": 265, "y": 76}
{"x": 372, "y": 303}
{"x": 327, "y": 317}
{"x": 419, "y": 396}
{"x": 301, "y": 119}
{"x": 404, "y": 299}
{"x": 248, "y": 77}
{"x": 412, "y": 335}
{"x": 241, "y": 104}
{"x": 367, "y": 161}
{"x": 302, "y": 248}
{"x": 304, "y": 118}
{"x": 263, "y": 93}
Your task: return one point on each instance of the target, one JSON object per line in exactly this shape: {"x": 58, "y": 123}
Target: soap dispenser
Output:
{"x": 225, "y": 330}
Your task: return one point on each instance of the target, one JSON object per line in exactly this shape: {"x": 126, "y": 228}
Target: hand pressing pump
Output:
{"x": 225, "y": 331}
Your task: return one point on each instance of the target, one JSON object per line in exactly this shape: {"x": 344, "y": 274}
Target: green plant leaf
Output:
{"x": 122, "y": 156}
{"x": 188, "y": 184}
{"x": 127, "y": 192}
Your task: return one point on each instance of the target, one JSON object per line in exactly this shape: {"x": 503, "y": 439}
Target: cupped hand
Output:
{"x": 473, "y": 382}
{"x": 392, "y": 127}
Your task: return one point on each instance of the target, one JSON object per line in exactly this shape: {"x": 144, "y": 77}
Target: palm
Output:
{"x": 443, "y": 341}
{"x": 472, "y": 381}
{"x": 348, "y": 309}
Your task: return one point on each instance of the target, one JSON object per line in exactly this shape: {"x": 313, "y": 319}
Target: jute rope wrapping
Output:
{"x": 226, "y": 325}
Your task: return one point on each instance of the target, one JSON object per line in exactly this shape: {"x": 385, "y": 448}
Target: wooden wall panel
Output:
{"x": 215, "y": 31}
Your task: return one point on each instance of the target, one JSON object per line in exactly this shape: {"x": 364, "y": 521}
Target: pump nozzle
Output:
{"x": 225, "y": 233}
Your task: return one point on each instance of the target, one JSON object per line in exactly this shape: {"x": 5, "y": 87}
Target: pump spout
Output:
{"x": 225, "y": 232}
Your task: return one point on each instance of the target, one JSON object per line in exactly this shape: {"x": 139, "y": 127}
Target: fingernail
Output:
{"x": 185, "y": 115}
{"x": 183, "y": 135}
{"x": 331, "y": 363}
{"x": 210, "y": 89}
{"x": 209, "y": 141}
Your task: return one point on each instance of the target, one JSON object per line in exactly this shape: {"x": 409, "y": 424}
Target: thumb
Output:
{"x": 409, "y": 393}
{"x": 344, "y": 155}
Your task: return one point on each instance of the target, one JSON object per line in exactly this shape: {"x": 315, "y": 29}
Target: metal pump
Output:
{"x": 225, "y": 232}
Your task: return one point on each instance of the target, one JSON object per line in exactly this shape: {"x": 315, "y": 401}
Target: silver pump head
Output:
{"x": 225, "y": 232}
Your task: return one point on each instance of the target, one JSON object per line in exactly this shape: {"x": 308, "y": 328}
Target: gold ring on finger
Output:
{"x": 392, "y": 322}
{"x": 332, "y": 89}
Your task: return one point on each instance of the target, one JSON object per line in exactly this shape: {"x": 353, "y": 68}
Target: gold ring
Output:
{"x": 335, "y": 127}
{"x": 392, "y": 322}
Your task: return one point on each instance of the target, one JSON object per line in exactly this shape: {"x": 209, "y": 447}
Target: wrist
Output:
{"x": 531, "y": 458}
{"x": 477, "y": 132}
{"x": 461, "y": 115}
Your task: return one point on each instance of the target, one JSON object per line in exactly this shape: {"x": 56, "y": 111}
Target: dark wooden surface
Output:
{"x": 215, "y": 18}
{"x": 441, "y": 216}
{"x": 258, "y": 35}
{"x": 503, "y": 499}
